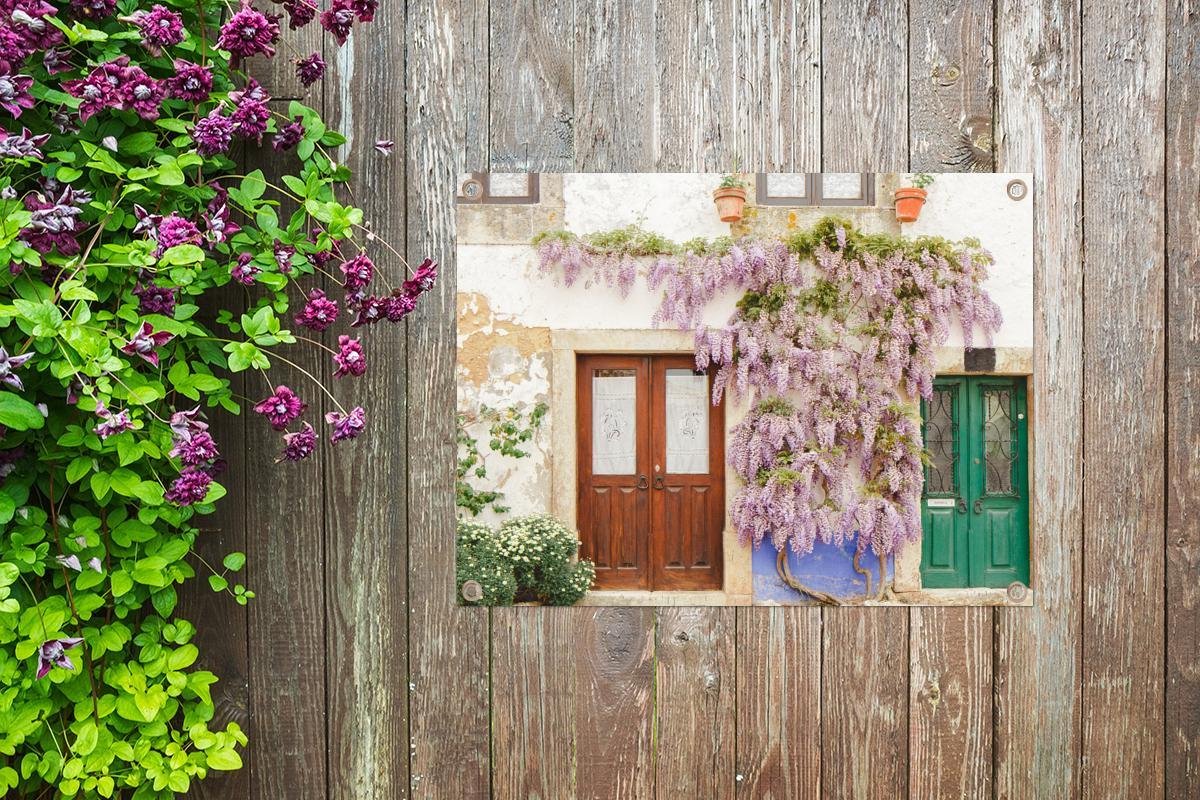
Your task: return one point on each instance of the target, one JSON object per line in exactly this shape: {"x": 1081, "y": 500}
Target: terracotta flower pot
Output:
{"x": 908, "y": 203}
{"x": 730, "y": 200}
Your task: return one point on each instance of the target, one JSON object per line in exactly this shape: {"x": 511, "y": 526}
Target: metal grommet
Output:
{"x": 1017, "y": 189}
{"x": 471, "y": 189}
{"x": 472, "y": 591}
{"x": 1017, "y": 592}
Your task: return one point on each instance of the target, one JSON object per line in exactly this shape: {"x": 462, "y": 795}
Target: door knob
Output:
{"x": 979, "y": 506}
{"x": 962, "y": 506}
{"x": 641, "y": 483}
{"x": 658, "y": 481}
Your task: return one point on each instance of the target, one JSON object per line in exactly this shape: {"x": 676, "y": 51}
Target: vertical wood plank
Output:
{"x": 1036, "y": 678}
{"x": 695, "y": 702}
{"x": 1123, "y": 404}
{"x": 694, "y": 83}
{"x": 366, "y": 539}
{"x": 532, "y": 91}
{"x": 950, "y": 654}
{"x": 278, "y": 75}
{"x": 1183, "y": 402}
{"x": 950, "y": 85}
{"x": 445, "y": 127}
{"x": 614, "y": 94}
{"x": 864, "y": 679}
{"x": 285, "y": 556}
{"x": 779, "y": 714}
{"x": 950, "y": 703}
{"x": 777, "y": 85}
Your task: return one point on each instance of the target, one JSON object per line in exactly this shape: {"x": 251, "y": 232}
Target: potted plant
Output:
{"x": 730, "y": 197}
{"x": 910, "y": 199}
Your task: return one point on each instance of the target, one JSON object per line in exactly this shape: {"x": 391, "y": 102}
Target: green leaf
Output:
{"x": 169, "y": 174}
{"x": 85, "y": 738}
{"x": 183, "y": 658}
{"x": 18, "y": 414}
{"x": 79, "y": 466}
{"x": 217, "y": 583}
{"x": 234, "y": 561}
{"x": 226, "y": 759}
{"x": 253, "y": 186}
{"x": 8, "y": 507}
{"x": 121, "y": 583}
{"x": 181, "y": 255}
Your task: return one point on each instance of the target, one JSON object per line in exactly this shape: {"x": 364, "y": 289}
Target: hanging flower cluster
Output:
{"x": 121, "y": 214}
{"x": 833, "y": 340}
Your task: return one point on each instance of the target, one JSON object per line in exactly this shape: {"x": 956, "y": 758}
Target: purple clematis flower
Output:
{"x": 155, "y": 299}
{"x": 7, "y": 366}
{"x": 70, "y": 562}
{"x": 197, "y": 449}
{"x": 175, "y": 230}
{"x": 399, "y": 305}
{"x": 421, "y": 281}
{"x": 147, "y": 223}
{"x": 54, "y": 654}
{"x": 160, "y": 28}
{"x": 141, "y": 93}
{"x": 300, "y": 12}
{"x": 93, "y": 9}
{"x": 349, "y": 358}
{"x": 358, "y": 271}
{"x": 94, "y": 565}
{"x": 243, "y": 271}
{"x": 311, "y": 69}
{"x": 299, "y": 445}
{"x": 14, "y": 93}
{"x": 220, "y": 227}
{"x": 145, "y": 343}
{"x": 282, "y": 408}
{"x": 371, "y": 309}
{"x": 250, "y": 111}
{"x": 249, "y": 32}
{"x": 22, "y": 145}
{"x": 338, "y": 19}
{"x": 185, "y": 425}
{"x": 346, "y": 426}
{"x": 384, "y": 146}
{"x": 365, "y": 9}
{"x": 319, "y": 312}
{"x": 213, "y": 133}
{"x": 283, "y": 256}
{"x": 113, "y": 423}
{"x": 190, "y": 487}
{"x": 289, "y": 135}
{"x": 191, "y": 82}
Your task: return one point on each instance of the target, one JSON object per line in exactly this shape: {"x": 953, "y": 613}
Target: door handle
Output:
{"x": 979, "y": 506}
{"x": 658, "y": 481}
{"x": 962, "y": 506}
{"x": 641, "y": 483}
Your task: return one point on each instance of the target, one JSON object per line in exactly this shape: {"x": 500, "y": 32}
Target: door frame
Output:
{"x": 565, "y": 346}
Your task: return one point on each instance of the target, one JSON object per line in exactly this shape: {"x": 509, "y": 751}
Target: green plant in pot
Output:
{"x": 911, "y": 198}
{"x": 730, "y": 197}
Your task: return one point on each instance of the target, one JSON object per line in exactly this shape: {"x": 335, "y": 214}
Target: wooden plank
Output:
{"x": 532, "y": 89}
{"x": 950, "y": 653}
{"x": 864, "y": 679}
{"x": 695, "y": 682}
{"x": 777, "y": 85}
{"x": 1036, "y": 678}
{"x": 285, "y": 556}
{"x": 694, "y": 83}
{"x": 365, "y": 480}
{"x": 779, "y": 703}
{"x": 864, "y": 86}
{"x": 614, "y": 702}
{"x": 278, "y": 74}
{"x": 1183, "y": 404}
{"x": 1123, "y": 282}
{"x": 614, "y": 96}
{"x": 950, "y": 84}
{"x": 448, "y": 646}
{"x": 950, "y": 703}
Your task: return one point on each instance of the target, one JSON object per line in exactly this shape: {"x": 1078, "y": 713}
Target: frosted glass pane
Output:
{"x": 508, "y": 184}
{"x": 687, "y": 423}
{"x": 787, "y": 184}
{"x": 841, "y": 185}
{"x": 614, "y": 423}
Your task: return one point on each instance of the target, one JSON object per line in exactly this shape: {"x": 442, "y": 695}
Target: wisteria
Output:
{"x": 833, "y": 340}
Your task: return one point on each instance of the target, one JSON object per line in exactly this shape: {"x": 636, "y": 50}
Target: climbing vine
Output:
{"x": 508, "y": 430}
{"x": 832, "y": 340}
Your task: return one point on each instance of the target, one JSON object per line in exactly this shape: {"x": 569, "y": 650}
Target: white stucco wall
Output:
{"x": 510, "y": 306}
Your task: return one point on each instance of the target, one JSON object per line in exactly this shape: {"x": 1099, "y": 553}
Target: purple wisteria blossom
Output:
{"x": 244, "y": 270}
{"x": 349, "y": 358}
{"x": 14, "y": 93}
{"x": 22, "y": 145}
{"x": 196, "y": 450}
{"x": 160, "y": 27}
{"x": 298, "y": 445}
{"x": 191, "y": 82}
{"x": 154, "y": 299}
{"x": 8, "y": 367}
{"x": 174, "y": 230}
{"x": 289, "y": 135}
{"x": 319, "y": 311}
{"x": 358, "y": 271}
{"x": 213, "y": 133}
{"x": 346, "y": 426}
{"x": 281, "y": 408}
{"x": 311, "y": 68}
{"x": 112, "y": 423}
{"x": 53, "y": 653}
{"x": 189, "y": 488}
{"x": 249, "y": 32}
{"x": 145, "y": 343}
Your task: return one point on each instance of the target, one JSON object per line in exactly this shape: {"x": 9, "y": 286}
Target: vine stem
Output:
{"x": 866, "y": 573}
{"x": 87, "y": 656}
{"x": 311, "y": 378}
{"x": 785, "y": 573}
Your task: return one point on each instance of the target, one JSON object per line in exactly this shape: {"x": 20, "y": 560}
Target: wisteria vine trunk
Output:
{"x": 121, "y": 211}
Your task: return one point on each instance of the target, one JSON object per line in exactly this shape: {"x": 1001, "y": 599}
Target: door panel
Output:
{"x": 688, "y": 477}
{"x": 943, "y": 507}
{"x": 614, "y": 451}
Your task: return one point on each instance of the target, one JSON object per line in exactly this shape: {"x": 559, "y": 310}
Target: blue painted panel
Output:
{"x": 827, "y": 568}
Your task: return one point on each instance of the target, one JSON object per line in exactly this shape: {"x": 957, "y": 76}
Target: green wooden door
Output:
{"x": 975, "y": 508}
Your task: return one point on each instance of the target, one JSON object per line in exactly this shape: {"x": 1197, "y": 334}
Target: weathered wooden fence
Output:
{"x": 358, "y": 677}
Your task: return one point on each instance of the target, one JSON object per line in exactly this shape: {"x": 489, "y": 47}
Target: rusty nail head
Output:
{"x": 472, "y": 591}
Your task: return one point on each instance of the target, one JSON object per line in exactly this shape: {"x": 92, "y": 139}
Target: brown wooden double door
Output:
{"x": 651, "y": 460}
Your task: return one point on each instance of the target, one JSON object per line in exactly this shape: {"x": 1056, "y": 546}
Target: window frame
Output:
{"x": 814, "y": 192}
{"x": 484, "y": 181}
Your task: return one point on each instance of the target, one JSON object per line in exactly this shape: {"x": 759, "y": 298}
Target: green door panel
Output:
{"x": 975, "y": 508}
